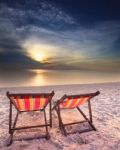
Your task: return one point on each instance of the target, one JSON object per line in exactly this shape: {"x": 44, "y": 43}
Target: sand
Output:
{"x": 106, "y": 118}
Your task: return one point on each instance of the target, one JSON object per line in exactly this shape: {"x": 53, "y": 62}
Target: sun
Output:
{"x": 39, "y": 57}
{"x": 37, "y": 53}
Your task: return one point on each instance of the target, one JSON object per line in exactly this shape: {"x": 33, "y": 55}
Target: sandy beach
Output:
{"x": 106, "y": 118}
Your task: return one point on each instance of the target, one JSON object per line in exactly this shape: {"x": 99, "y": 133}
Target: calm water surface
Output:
{"x": 40, "y": 77}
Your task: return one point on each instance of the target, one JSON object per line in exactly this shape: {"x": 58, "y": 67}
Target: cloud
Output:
{"x": 96, "y": 42}
{"x": 69, "y": 44}
{"x": 39, "y": 13}
{"x": 9, "y": 41}
{"x": 17, "y": 60}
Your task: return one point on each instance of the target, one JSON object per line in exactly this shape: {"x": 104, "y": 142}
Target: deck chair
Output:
{"x": 27, "y": 102}
{"x": 74, "y": 102}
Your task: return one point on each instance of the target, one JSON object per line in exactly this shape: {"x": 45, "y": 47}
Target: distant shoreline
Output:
{"x": 86, "y": 84}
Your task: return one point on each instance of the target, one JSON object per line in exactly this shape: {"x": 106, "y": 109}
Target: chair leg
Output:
{"x": 10, "y": 124}
{"x": 90, "y": 111}
{"x": 10, "y": 117}
{"x": 58, "y": 117}
{"x": 61, "y": 125}
{"x": 50, "y": 115}
{"x": 11, "y": 131}
{"x": 90, "y": 123}
{"x": 47, "y": 133}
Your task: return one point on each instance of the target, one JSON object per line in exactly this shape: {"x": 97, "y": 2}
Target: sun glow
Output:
{"x": 39, "y": 53}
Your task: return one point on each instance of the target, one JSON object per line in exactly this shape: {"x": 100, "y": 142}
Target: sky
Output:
{"x": 60, "y": 34}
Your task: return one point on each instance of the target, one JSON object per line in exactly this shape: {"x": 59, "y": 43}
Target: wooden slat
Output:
{"x": 28, "y": 127}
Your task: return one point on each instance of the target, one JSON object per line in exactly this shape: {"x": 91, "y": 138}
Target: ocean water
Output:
{"x": 40, "y": 77}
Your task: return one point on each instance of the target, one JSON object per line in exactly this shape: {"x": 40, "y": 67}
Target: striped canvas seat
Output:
{"x": 74, "y": 102}
{"x": 27, "y": 103}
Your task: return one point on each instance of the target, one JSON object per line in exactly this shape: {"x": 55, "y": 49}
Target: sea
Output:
{"x": 42, "y": 77}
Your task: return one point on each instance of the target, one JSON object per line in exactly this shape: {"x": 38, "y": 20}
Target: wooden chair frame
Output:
{"x": 12, "y": 125}
{"x": 89, "y": 120}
